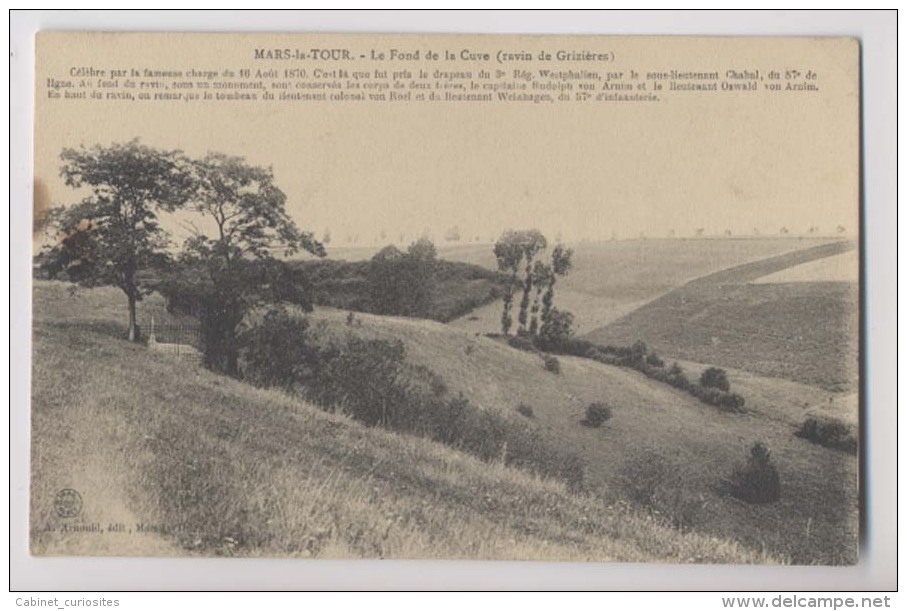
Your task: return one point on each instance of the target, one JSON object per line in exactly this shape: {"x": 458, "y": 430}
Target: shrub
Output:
{"x": 525, "y": 410}
{"x": 403, "y": 284}
{"x": 653, "y": 359}
{"x": 830, "y": 432}
{"x": 552, "y": 364}
{"x": 522, "y": 342}
{"x": 277, "y": 351}
{"x": 713, "y": 387}
{"x": 602, "y": 357}
{"x": 637, "y": 353}
{"x": 597, "y": 414}
{"x": 371, "y": 381}
{"x": 578, "y": 347}
{"x": 757, "y": 481}
{"x": 713, "y": 377}
{"x": 514, "y": 443}
{"x": 362, "y": 378}
{"x": 679, "y": 380}
{"x": 557, "y": 330}
{"x": 731, "y": 402}
{"x": 656, "y": 373}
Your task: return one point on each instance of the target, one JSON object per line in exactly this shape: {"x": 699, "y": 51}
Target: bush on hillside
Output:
{"x": 576, "y": 346}
{"x": 525, "y": 410}
{"x": 597, "y": 414}
{"x": 830, "y": 432}
{"x": 637, "y": 353}
{"x": 494, "y": 438}
{"x": 654, "y": 360}
{"x": 556, "y": 330}
{"x": 727, "y": 401}
{"x": 362, "y": 378}
{"x": 757, "y": 481}
{"x": 522, "y": 342}
{"x": 712, "y": 389}
{"x": 371, "y": 381}
{"x": 552, "y": 364}
{"x": 278, "y": 351}
{"x": 713, "y": 377}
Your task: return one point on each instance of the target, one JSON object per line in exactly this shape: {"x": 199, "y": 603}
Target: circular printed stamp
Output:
{"x": 68, "y": 503}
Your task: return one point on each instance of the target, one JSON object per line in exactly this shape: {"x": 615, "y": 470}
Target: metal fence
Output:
{"x": 185, "y": 334}
{"x": 181, "y": 340}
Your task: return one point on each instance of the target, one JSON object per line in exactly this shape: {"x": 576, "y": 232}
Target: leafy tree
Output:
{"x": 533, "y": 242}
{"x": 384, "y": 281}
{"x": 561, "y": 263}
{"x": 516, "y": 251}
{"x": 542, "y": 278}
{"x": 403, "y": 284}
{"x": 114, "y": 233}
{"x": 247, "y": 215}
{"x": 508, "y": 251}
{"x": 423, "y": 249}
{"x": 420, "y": 272}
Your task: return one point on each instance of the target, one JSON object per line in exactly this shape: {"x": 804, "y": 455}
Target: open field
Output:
{"x": 815, "y": 520}
{"x": 210, "y": 465}
{"x": 801, "y": 331}
{"x": 836, "y": 268}
{"x": 611, "y": 279}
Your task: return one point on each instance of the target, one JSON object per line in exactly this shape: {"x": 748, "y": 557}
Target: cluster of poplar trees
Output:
{"x": 517, "y": 253}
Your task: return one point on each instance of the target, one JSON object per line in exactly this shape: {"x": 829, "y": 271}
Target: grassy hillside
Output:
{"x": 210, "y": 465}
{"x": 801, "y": 331}
{"x": 680, "y": 448}
{"x": 611, "y": 279}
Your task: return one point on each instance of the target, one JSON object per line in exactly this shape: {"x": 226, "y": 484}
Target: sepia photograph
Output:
{"x": 556, "y": 298}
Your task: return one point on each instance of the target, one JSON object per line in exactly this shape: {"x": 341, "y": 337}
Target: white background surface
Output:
{"x": 877, "y": 568}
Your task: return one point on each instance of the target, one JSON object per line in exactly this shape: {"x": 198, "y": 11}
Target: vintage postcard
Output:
{"x": 575, "y": 298}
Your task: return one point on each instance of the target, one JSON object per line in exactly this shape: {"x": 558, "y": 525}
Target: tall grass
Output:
{"x": 371, "y": 380}
{"x": 214, "y": 466}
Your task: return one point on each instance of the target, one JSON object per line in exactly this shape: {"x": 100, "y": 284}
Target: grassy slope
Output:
{"x": 611, "y": 279}
{"x": 802, "y": 331}
{"x": 815, "y": 521}
{"x": 233, "y": 470}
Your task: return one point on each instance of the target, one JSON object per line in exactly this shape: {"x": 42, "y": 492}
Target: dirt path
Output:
{"x": 80, "y": 443}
